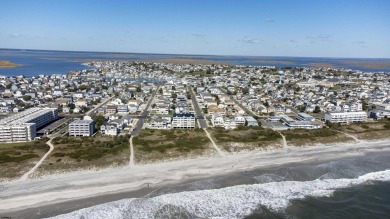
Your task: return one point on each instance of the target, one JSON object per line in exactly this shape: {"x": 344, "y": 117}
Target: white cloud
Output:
{"x": 199, "y": 35}
{"x": 319, "y": 37}
{"x": 269, "y": 20}
{"x": 250, "y": 40}
{"x": 16, "y": 35}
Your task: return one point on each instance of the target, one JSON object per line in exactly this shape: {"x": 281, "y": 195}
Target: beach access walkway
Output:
{"x": 131, "y": 161}
{"x": 220, "y": 152}
{"x": 32, "y": 170}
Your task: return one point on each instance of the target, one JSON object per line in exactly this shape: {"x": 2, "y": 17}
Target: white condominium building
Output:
{"x": 79, "y": 128}
{"x": 184, "y": 120}
{"x": 23, "y": 126}
{"x": 346, "y": 117}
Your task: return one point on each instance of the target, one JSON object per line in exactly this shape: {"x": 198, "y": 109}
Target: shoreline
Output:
{"x": 71, "y": 191}
{"x": 166, "y": 61}
{"x": 8, "y": 64}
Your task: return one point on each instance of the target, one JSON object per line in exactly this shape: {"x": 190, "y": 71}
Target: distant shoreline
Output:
{"x": 190, "y": 55}
{"x": 67, "y": 61}
{"x": 8, "y": 64}
{"x": 168, "y": 61}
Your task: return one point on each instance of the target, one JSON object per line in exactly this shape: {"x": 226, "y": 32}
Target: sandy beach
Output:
{"x": 71, "y": 191}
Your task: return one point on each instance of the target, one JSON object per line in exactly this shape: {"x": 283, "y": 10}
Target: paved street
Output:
{"x": 144, "y": 115}
{"x": 99, "y": 105}
{"x": 198, "y": 110}
{"x": 65, "y": 122}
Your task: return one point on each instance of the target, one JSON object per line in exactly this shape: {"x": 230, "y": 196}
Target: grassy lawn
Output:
{"x": 86, "y": 152}
{"x": 18, "y": 158}
{"x": 153, "y": 145}
{"x": 368, "y": 130}
{"x": 302, "y": 137}
{"x": 245, "y": 138}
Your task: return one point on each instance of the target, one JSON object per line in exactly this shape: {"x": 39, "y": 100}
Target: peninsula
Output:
{"x": 136, "y": 117}
{"x": 8, "y": 64}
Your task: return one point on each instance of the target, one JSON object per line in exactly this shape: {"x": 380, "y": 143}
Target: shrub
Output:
{"x": 59, "y": 154}
{"x": 5, "y": 158}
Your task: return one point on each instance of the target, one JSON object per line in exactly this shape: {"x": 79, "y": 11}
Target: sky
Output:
{"x": 305, "y": 28}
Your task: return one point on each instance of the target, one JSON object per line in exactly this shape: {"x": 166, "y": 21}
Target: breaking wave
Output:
{"x": 230, "y": 202}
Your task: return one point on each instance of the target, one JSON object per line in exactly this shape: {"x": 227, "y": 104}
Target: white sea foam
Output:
{"x": 230, "y": 202}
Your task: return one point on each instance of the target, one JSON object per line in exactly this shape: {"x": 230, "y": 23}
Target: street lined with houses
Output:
{"x": 236, "y": 107}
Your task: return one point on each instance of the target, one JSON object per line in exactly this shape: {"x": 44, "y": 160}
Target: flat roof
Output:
{"x": 25, "y": 116}
{"x": 346, "y": 113}
{"x": 183, "y": 115}
{"x": 304, "y": 115}
{"x": 81, "y": 122}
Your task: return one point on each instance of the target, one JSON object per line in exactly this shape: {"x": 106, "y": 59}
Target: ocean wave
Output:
{"x": 230, "y": 202}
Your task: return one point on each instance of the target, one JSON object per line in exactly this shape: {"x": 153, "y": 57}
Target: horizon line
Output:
{"x": 186, "y": 54}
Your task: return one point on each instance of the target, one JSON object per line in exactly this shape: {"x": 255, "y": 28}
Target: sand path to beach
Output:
{"x": 72, "y": 186}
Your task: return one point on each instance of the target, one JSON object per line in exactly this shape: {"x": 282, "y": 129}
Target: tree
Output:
{"x": 245, "y": 90}
{"x": 71, "y": 106}
{"x": 174, "y": 95}
{"x": 160, "y": 91}
{"x": 26, "y": 98}
{"x": 83, "y": 87}
{"x": 301, "y": 108}
{"x": 317, "y": 109}
{"x": 139, "y": 89}
{"x": 154, "y": 105}
{"x": 99, "y": 121}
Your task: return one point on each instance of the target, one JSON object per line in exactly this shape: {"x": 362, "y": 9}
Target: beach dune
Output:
{"x": 70, "y": 191}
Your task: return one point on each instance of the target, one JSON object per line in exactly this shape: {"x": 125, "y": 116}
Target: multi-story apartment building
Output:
{"x": 23, "y": 126}
{"x": 303, "y": 124}
{"x": 184, "y": 120}
{"x": 304, "y": 117}
{"x": 381, "y": 111}
{"x": 111, "y": 109}
{"x": 109, "y": 129}
{"x": 346, "y": 117}
{"x": 79, "y": 128}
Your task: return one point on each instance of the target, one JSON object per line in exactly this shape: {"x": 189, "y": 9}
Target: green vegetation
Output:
{"x": 18, "y": 158}
{"x": 245, "y": 138}
{"x": 300, "y": 137}
{"x": 368, "y": 130}
{"x": 18, "y": 152}
{"x": 308, "y": 134}
{"x": 26, "y": 98}
{"x": 89, "y": 148}
{"x": 6, "y": 158}
{"x": 83, "y": 87}
{"x": 164, "y": 144}
{"x": 245, "y": 134}
{"x": 99, "y": 121}
{"x": 178, "y": 140}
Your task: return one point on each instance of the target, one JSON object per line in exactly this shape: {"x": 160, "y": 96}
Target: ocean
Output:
{"x": 348, "y": 188}
{"x": 36, "y": 62}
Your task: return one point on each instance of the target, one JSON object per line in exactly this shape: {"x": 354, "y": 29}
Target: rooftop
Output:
{"x": 25, "y": 116}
